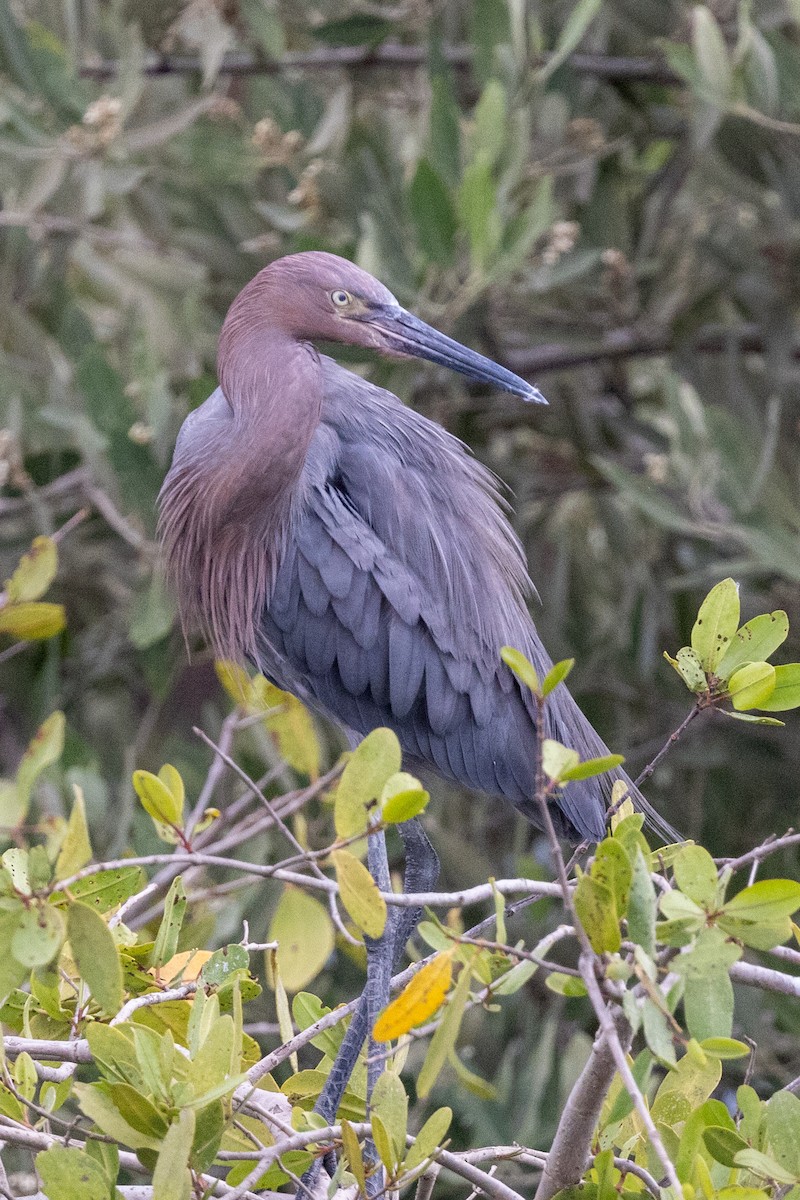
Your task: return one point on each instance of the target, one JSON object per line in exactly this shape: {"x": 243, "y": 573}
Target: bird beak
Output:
{"x": 406, "y": 336}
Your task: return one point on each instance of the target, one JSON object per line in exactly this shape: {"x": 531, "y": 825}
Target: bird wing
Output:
{"x": 400, "y": 583}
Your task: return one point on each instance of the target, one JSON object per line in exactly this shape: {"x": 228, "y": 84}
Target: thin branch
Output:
{"x": 493, "y": 1188}
{"x": 389, "y": 54}
{"x": 589, "y": 963}
{"x": 473, "y": 895}
{"x": 670, "y": 742}
{"x": 151, "y": 998}
{"x": 568, "y": 1155}
{"x": 765, "y": 978}
{"x": 770, "y": 846}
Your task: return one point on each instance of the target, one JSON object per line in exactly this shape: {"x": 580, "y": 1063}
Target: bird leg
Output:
{"x": 383, "y": 954}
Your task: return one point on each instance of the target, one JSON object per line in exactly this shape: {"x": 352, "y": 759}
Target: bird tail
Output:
{"x": 585, "y": 802}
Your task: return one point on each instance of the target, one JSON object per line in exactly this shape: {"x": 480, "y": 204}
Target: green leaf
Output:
{"x": 76, "y": 849}
{"x": 711, "y": 57}
{"x": 292, "y": 726}
{"x": 433, "y": 214}
{"x": 597, "y": 913}
{"x": 477, "y": 206}
{"x": 524, "y": 670}
{"x": 383, "y": 1143}
{"x": 208, "y": 1131}
{"x": 557, "y": 758}
{"x": 159, "y": 802}
{"x": 375, "y": 760}
{"x": 723, "y": 1144}
{"x": 224, "y": 963}
{"x": 717, "y": 620}
{"x": 591, "y": 767}
{"x": 754, "y": 642}
{"x": 70, "y": 1174}
{"x": 166, "y": 943}
{"x": 764, "y": 1165}
{"x": 359, "y": 893}
{"x": 97, "y": 1105}
{"x": 107, "y": 889}
{"x": 751, "y": 685}
{"x": 782, "y": 1125}
{"x": 135, "y": 1108}
{"x": 489, "y": 121}
{"x": 32, "y": 622}
{"x": 353, "y": 1155}
{"x": 556, "y": 675}
{"x": 390, "y": 1102}
{"x": 657, "y": 1032}
{"x": 429, "y": 1138}
{"x": 786, "y": 694}
{"x": 303, "y": 929}
{"x": 572, "y": 32}
{"x": 708, "y": 991}
{"x": 171, "y": 1178}
{"x": 767, "y": 900}
{"x": 444, "y": 1039}
{"x": 688, "y": 665}
{"x": 696, "y": 876}
{"x": 39, "y": 935}
{"x": 402, "y": 798}
{"x": 152, "y": 614}
{"x": 612, "y": 867}
{"x": 114, "y": 1054}
{"x": 749, "y": 717}
{"x": 96, "y": 956}
{"x": 35, "y": 572}
{"x": 445, "y": 121}
{"x": 642, "y": 906}
{"x": 565, "y": 985}
{"x": 725, "y": 1048}
{"x": 45, "y": 748}
{"x": 214, "y": 1062}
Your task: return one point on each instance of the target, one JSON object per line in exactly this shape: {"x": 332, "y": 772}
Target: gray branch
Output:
{"x": 571, "y": 1147}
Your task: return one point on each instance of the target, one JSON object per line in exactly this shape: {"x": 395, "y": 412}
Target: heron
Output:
{"x": 362, "y": 559}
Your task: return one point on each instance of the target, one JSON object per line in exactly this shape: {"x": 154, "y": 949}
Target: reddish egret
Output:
{"x": 356, "y": 553}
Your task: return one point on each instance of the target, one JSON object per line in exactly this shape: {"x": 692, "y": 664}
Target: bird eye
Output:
{"x": 341, "y": 298}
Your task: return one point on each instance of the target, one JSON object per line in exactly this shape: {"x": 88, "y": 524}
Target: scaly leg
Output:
{"x": 421, "y": 873}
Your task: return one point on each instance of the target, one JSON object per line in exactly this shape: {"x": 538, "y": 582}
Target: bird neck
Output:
{"x": 229, "y": 501}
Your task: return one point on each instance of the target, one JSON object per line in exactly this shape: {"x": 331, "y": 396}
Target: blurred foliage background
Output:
{"x": 604, "y": 195}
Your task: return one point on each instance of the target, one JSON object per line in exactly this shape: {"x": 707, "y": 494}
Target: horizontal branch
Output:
{"x": 626, "y": 343}
{"x": 765, "y": 978}
{"x": 637, "y": 69}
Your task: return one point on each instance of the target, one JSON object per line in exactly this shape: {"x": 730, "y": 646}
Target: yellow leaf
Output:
{"x": 36, "y": 571}
{"x": 418, "y": 1000}
{"x": 158, "y": 800}
{"x": 32, "y": 622}
{"x": 557, "y": 758}
{"x": 359, "y": 893}
{"x": 235, "y": 681}
{"x": 373, "y": 762}
{"x": 303, "y": 929}
{"x": 185, "y": 966}
{"x": 293, "y": 728}
{"x": 76, "y": 849}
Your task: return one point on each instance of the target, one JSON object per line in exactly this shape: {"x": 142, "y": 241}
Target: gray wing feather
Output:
{"x": 400, "y": 583}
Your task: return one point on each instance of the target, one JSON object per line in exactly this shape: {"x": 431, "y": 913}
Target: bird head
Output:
{"x": 319, "y": 296}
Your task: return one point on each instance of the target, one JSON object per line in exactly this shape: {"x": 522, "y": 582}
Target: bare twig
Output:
{"x": 668, "y": 744}
{"x": 389, "y": 54}
{"x": 151, "y": 998}
{"x": 770, "y": 846}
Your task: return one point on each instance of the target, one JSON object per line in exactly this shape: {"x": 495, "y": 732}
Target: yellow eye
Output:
{"x": 341, "y": 298}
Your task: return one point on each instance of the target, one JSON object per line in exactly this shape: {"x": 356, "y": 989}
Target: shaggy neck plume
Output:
{"x": 226, "y": 504}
